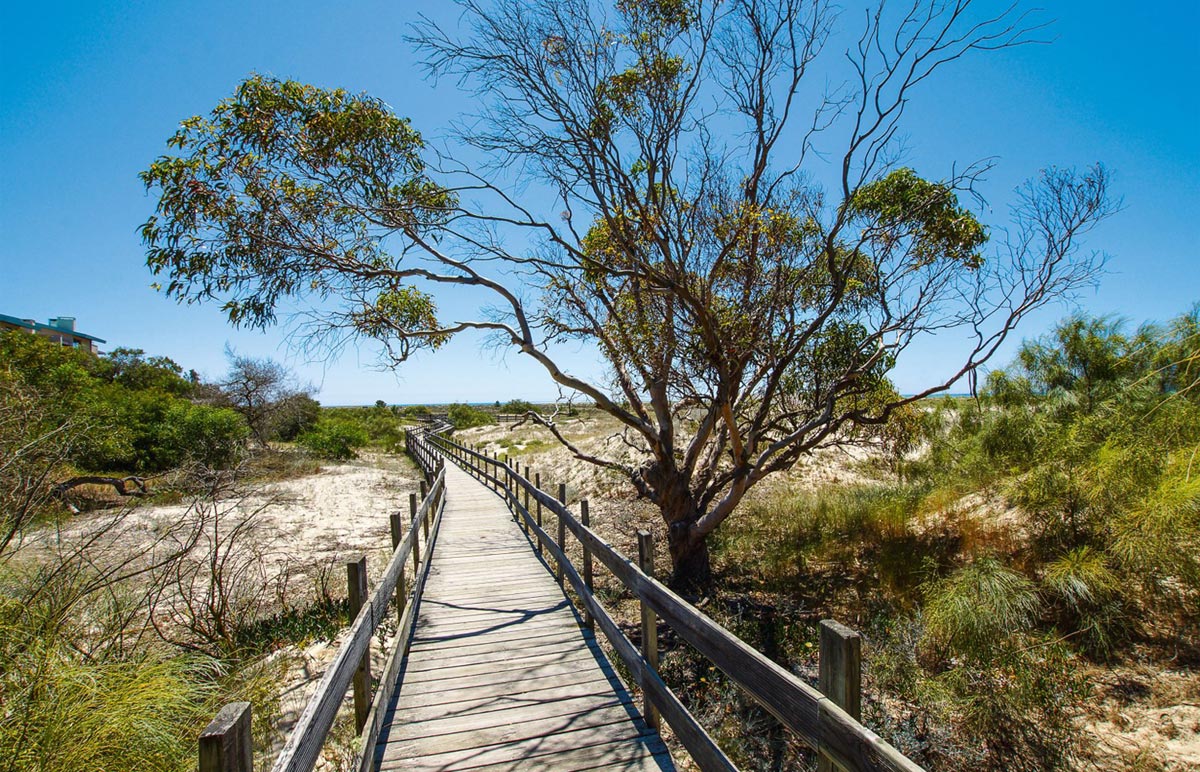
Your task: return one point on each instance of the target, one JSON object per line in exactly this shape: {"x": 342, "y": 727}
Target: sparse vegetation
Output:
{"x": 1052, "y": 521}
{"x": 120, "y": 637}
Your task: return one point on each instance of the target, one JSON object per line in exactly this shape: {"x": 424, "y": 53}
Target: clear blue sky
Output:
{"x": 91, "y": 91}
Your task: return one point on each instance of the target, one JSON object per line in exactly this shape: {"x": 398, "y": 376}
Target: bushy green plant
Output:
{"x": 334, "y": 438}
{"x": 1093, "y": 433}
{"x": 296, "y": 415}
{"x": 87, "y": 686}
{"x": 381, "y": 427}
{"x": 979, "y": 607}
{"x": 1018, "y": 710}
{"x": 467, "y": 417}
{"x": 133, "y": 412}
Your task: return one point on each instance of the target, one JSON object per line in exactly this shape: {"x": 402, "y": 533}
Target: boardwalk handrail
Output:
{"x": 225, "y": 743}
{"x": 811, "y": 715}
{"x": 303, "y": 747}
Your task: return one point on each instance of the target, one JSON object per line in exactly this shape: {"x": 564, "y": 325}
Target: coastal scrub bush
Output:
{"x": 336, "y": 439}
{"x": 133, "y": 414}
{"x": 467, "y": 417}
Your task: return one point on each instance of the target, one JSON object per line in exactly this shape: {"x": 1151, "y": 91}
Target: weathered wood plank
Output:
{"x": 613, "y": 724}
{"x": 433, "y": 724}
{"x": 504, "y": 669}
{"x": 469, "y": 699}
{"x": 563, "y": 650}
{"x": 486, "y": 643}
{"x": 559, "y": 752}
{"x": 226, "y": 744}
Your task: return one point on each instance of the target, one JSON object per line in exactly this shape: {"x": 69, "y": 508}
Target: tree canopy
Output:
{"x": 747, "y": 313}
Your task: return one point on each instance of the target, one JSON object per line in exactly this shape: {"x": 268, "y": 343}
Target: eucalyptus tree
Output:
{"x": 644, "y": 176}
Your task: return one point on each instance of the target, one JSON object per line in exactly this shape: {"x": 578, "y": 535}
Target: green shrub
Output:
{"x": 334, "y": 438}
{"x": 87, "y": 686}
{"x": 1013, "y": 711}
{"x": 215, "y": 437}
{"x": 296, "y": 415}
{"x": 467, "y": 417}
{"x": 133, "y": 412}
{"x": 383, "y": 430}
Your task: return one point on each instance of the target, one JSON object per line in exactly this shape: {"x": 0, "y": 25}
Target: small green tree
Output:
{"x": 131, "y": 368}
{"x": 265, "y": 392}
{"x": 297, "y": 414}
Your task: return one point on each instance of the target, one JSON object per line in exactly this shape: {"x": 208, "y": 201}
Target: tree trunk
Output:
{"x": 691, "y": 571}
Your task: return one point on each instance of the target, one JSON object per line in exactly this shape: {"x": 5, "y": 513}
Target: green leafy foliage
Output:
{"x": 902, "y": 207}
{"x": 132, "y": 369}
{"x": 133, "y": 412}
{"x": 334, "y": 438}
{"x": 978, "y": 608}
{"x": 296, "y": 415}
{"x": 1092, "y": 433}
{"x": 275, "y": 169}
{"x": 87, "y": 685}
{"x": 466, "y": 417}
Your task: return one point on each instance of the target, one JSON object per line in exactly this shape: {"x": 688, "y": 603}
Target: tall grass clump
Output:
{"x": 87, "y": 685}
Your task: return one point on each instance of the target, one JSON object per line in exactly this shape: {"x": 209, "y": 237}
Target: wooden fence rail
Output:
{"x": 225, "y": 743}
{"x": 818, "y": 719}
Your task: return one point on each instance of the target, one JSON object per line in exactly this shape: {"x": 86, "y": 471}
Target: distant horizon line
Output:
{"x": 492, "y": 402}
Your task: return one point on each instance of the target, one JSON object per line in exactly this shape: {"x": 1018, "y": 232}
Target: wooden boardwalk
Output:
{"x": 500, "y": 674}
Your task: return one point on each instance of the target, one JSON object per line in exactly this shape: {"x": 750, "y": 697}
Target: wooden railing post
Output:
{"x": 396, "y": 525}
{"x": 226, "y": 744}
{"x": 508, "y": 487}
{"x": 585, "y": 518}
{"x": 562, "y": 533}
{"x": 425, "y": 520}
{"x": 517, "y": 497}
{"x": 537, "y": 483}
{"x": 523, "y": 521}
{"x": 356, "y": 584}
{"x": 840, "y": 673}
{"x": 649, "y": 625}
{"x": 416, "y": 532}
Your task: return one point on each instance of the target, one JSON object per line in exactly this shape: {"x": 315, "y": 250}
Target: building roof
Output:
{"x": 38, "y": 327}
